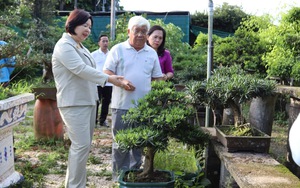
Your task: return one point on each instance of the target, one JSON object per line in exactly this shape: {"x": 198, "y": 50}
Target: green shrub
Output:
{"x": 178, "y": 157}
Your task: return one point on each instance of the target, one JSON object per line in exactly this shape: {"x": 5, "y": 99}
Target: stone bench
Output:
{"x": 245, "y": 169}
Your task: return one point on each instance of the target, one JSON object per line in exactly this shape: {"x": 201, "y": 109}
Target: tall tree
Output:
{"x": 284, "y": 58}
{"x": 246, "y": 47}
{"x": 226, "y": 18}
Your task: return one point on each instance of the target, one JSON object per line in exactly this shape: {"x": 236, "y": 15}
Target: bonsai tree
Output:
{"x": 162, "y": 114}
{"x": 229, "y": 87}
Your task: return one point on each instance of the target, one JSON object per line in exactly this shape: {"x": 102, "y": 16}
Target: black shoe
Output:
{"x": 104, "y": 124}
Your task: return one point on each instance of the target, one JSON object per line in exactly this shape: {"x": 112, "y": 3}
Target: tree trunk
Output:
{"x": 236, "y": 113}
{"x": 227, "y": 117}
{"x": 149, "y": 162}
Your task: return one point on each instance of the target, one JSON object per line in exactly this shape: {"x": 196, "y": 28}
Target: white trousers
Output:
{"x": 80, "y": 124}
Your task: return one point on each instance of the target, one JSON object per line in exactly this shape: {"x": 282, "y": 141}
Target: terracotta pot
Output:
{"x": 47, "y": 123}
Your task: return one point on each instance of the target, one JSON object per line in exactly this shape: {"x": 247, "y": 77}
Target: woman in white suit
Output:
{"x": 76, "y": 80}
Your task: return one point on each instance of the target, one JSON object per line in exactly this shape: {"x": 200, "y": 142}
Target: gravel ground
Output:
{"x": 101, "y": 148}
{"x": 99, "y": 175}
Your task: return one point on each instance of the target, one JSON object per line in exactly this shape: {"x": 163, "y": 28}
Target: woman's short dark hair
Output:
{"x": 77, "y": 17}
{"x": 161, "y": 48}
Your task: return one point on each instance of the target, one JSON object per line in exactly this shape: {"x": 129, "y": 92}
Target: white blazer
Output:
{"x": 75, "y": 74}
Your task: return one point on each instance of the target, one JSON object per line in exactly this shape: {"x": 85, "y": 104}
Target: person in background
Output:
{"x": 104, "y": 93}
{"x": 76, "y": 80}
{"x": 138, "y": 63}
{"x": 7, "y": 66}
{"x": 156, "y": 38}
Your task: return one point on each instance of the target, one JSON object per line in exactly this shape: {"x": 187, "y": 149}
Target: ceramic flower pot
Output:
{"x": 47, "y": 121}
{"x": 168, "y": 184}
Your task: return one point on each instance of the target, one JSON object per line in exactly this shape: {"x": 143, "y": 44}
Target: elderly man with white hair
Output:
{"x": 139, "y": 64}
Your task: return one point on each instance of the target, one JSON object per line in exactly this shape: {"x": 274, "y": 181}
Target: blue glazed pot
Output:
{"x": 169, "y": 184}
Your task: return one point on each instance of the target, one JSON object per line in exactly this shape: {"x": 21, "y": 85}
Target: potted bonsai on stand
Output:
{"x": 47, "y": 121}
{"x": 231, "y": 87}
{"x": 162, "y": 114}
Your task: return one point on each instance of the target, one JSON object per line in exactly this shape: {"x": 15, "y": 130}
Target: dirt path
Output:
{"x": 98, "y": 172}
{"x": 99, "y": 175}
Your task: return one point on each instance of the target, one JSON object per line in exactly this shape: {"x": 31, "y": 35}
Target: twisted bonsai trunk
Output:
{"x": 237, "y": 115}
{"x": 148, "y": 168}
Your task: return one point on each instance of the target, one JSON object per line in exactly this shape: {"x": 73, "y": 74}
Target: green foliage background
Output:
{"x": 257, "y": 45}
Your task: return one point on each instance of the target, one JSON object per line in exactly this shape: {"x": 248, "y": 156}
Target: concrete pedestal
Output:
{"x": 12, "y": 111}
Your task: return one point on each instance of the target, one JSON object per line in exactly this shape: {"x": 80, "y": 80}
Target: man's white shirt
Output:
{"x": 100, "y": 58}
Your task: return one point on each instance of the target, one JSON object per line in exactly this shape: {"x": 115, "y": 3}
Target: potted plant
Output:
{"x": 190, "y": 65}
{"x": 231, "y": 87}
{"x": 47, "y": 121}
{"x": 33, "y": 54}
{"x": 162, "y": 114}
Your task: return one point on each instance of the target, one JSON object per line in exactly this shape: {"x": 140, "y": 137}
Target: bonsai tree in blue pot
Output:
{"x": 162, "y": 114}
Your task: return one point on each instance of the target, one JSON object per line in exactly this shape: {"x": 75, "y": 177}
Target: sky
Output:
{"x": 256, "y": 7}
